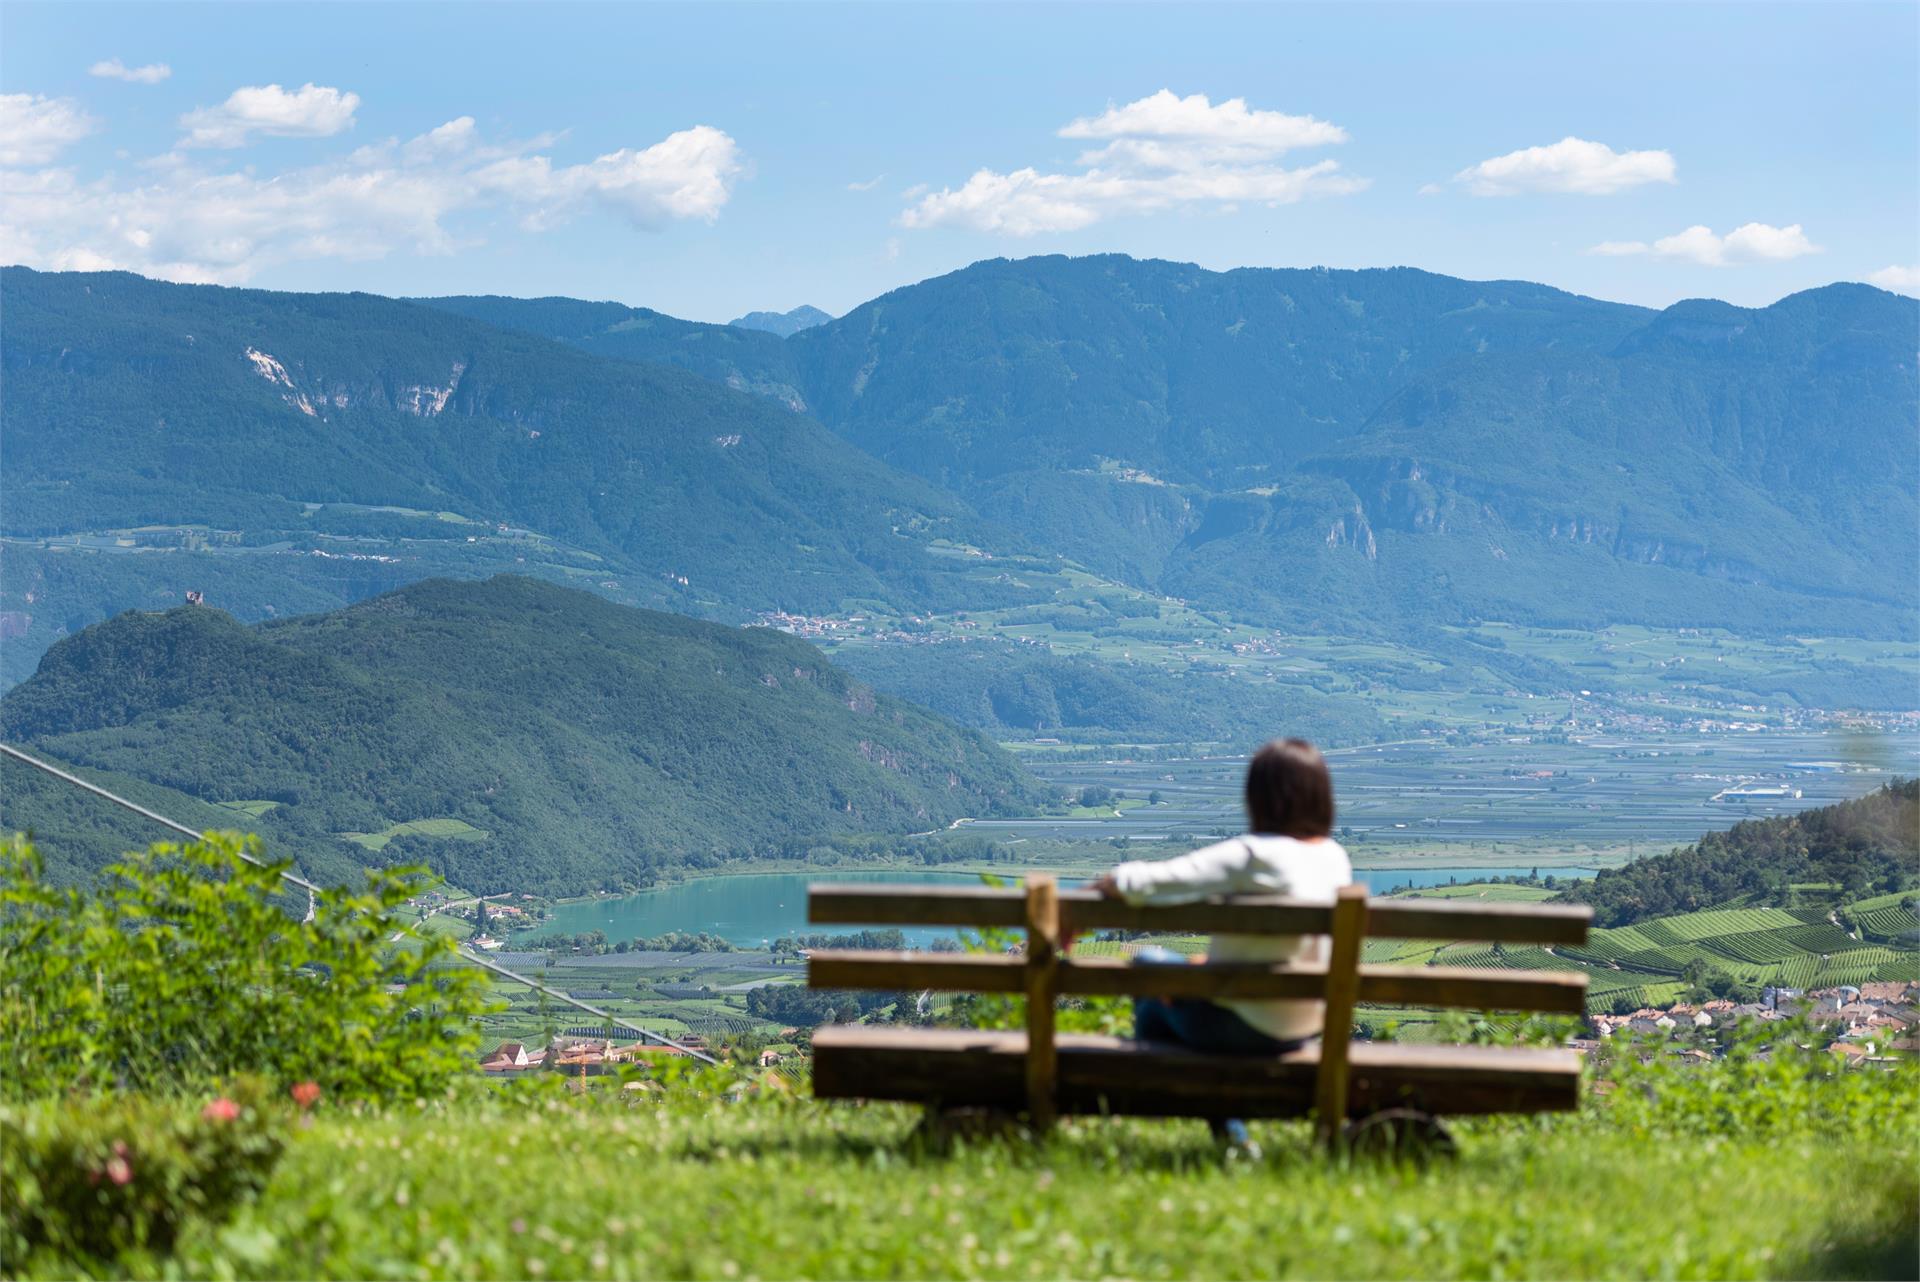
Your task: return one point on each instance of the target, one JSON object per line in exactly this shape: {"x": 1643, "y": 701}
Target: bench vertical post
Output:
{"x": 1042, "y": 985}
{"x": 1343, "y": 986}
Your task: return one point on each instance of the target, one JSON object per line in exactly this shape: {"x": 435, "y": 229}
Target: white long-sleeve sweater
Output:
{"x": 1252, "y": 865}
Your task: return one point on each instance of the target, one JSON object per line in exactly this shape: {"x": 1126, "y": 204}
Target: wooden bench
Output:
{"x": 1046, "y": 1074}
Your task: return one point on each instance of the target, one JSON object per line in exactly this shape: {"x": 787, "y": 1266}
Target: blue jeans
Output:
{"x": 1204, "y": 1026}
{"x": 1195, "y": 1022}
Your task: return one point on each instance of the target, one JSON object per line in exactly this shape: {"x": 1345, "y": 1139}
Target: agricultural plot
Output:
{"x": 1611, "y": 945}
{"x": 1471, "y": 955}
{"x": 1191, "y": 945}
{"x": 1761, "y": 947}
{"x": 1642, "y": 964}
{"x": 1400, "y": 952}
{"x": 251, "y": 809}
{"x": 1490, "y": 892}
{"x": 1878, "y": 902}
{"x": 1421, "y": 810}
{"x": 1904, "y": 968}
{"x": 1891, "y": 923}
{"x": 1861, "y": 965}
{"x": 1670, "y": 959}
{"x": 1764, "y": 946}
{"x": 1819, "y": 939}
{"x": 450, "y": 829}
{"x": 1704, "y": 925}
{"x": 712, "y": 1006}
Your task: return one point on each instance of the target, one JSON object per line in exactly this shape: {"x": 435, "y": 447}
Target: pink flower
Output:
{"x": 306, "y": 1094}
{"x": 119, "y": 1171}
{"x": 220, "y": 1110}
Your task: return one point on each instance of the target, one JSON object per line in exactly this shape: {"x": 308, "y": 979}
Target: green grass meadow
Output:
{"x": 778, "y": 1187}
{"x": 454, "y": 829}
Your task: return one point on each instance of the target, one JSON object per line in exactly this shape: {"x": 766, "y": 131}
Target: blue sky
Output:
{"x": 711, "y": 160}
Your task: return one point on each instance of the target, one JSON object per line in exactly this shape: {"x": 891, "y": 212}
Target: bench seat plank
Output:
{"x": 980, "y": 1068}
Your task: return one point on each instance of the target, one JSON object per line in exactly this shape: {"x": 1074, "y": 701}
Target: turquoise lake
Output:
{"x": 752, "y": 910}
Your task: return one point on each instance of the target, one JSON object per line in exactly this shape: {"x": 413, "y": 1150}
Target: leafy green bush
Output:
{"x": 185, "y": 965}
{"x": 1772, "y": 1079}
{"x": 92, "y": 1179}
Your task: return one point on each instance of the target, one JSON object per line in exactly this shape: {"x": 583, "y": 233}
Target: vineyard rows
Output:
{"x": 1889, "y": 922}
{"x": 1642, "y": 963}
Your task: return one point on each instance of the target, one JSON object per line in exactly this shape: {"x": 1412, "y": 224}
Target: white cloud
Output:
{"x": 184, "y": 221}
{"x": 1161, "y": 152}
{"x": 1572, "y": 166}
{"x": 1195, "y": 119}
{"x": 868, "y": 185}
{"x": 311, "y": 111}
{"x": 685, "y": 175}
{"x": 114, "y": 69}
{"x": 1901, "y": 280}
{"x": 1748, "y": 243}
{"x": 34, "y": 129}
{"x": 450, "y": 139}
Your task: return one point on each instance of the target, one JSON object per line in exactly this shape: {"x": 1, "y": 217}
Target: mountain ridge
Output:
{"x": 1543, "y": 415}
{"x": 293, "y": 433}
{"x": 563, "y": 743}
{"x": 784, "y": 324}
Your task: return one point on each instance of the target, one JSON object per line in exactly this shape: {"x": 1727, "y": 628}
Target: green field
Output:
{"x": 453, "y": 829}
{"x": 1643, "y": 963}
{"x": 628, "y": 986}
{"x": 1458, "y": 678}
{"x": 251, "y": 809}
{"x": 695, "y": 1184}
{"x": 1503, "y": 802}
{"x": 1493, "y": 893}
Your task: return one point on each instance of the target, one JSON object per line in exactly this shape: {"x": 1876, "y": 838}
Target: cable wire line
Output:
{"x": 460, "y": 949}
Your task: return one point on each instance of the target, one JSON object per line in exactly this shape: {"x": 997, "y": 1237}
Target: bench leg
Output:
{"x": 940, "y": 1127}
{"x": 1399, "y": 1135}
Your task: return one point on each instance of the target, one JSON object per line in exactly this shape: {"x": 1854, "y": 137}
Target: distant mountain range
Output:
{"x": 1342, "y": 449}
{"x": 785, "y": 324}
{"x": 1363, "y": 453}
{"x": 511, "y": 733}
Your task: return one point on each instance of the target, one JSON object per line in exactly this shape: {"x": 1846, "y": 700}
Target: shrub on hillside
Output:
{"x": 93, "y": 1179}
{"x": 185, "y": 965}
{"x": 1770, "y": 1078}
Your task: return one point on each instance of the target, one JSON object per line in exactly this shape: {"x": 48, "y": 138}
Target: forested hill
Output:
{"x": 511, "y": 733}
{"x": 1355, "y": 449}
{"x": 1866, "y": 846}
{"x": 314, "y": 448}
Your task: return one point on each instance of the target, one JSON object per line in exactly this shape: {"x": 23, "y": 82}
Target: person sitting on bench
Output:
{"x": 1288, "y": 850}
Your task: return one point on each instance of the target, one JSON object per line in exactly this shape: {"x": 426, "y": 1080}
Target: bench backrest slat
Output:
{"x": 1083, "y": 910}
{"x": 1461, "y": 987}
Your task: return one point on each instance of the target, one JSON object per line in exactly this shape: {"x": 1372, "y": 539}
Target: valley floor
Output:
{"x": 778, "y": 1187}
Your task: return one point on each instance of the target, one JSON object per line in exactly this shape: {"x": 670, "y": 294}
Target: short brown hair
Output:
{"x": 1289, "y": 792}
